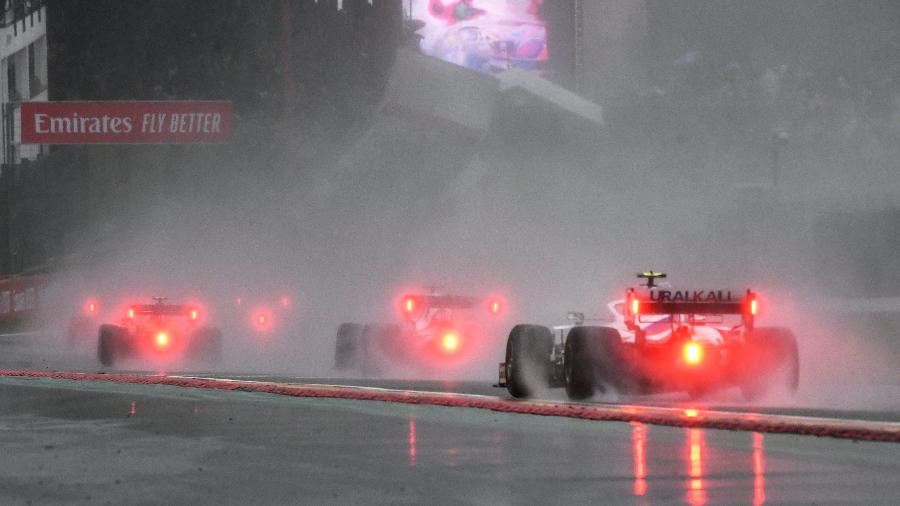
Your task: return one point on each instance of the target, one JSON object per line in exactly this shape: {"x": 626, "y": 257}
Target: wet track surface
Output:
{"x": 724, "y": 403}
{"x": 95, "y": 443}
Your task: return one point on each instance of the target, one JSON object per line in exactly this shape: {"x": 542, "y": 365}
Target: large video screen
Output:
{"x": 485, "y": 35}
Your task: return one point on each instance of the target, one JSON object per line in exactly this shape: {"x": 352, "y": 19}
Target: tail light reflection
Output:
{"x": 639, "y": 446}
{"x": 412, "y": 442}
{"x": 695, "y": 460}
{"x": 759, "y": 470}
{"x": 696, "y": 494}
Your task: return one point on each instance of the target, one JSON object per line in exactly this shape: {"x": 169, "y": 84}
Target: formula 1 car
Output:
{"x": 658, "y": 340}
{"x": 437, "y": 332}
{"x": 263, "y": 315}
{"x": 159, "y": 330}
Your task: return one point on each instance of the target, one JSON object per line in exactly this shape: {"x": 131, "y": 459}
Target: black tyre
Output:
{"x": 347, "y": 346}
{"x": 528, "y": 351}
{"x": 376, "y": 346}
{"x": 590, "y": 360}
{"x": 770, "y": 358}
{"x": 110, "y": 344}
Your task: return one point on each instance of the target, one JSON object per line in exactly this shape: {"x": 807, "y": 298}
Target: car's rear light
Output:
{"x": 194, "y": 314}
{"x": 754, "y": 307}
{"x": 635, "y": 306}
{"x": 238, "y": 301}
{"x": 495, "y": 307}
{"x": 692, "y": 353}
{"x": 450, "y": 342}
{"x": 262, "y": 319}
{"x": 285, "y": 301}
{"x": 412, "y": 307}
{"x": 131, "y": 312}
{"x": 90, "y": 307}
{"x": 162, "y": 339}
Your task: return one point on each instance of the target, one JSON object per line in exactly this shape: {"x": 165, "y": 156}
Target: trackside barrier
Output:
{"x": 673, "y": 417}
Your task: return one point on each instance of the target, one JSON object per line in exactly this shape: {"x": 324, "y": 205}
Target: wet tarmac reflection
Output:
{"x": 694, "y": 457}
{"x": 696, "y": 494}
{"x": 412, "y": 441}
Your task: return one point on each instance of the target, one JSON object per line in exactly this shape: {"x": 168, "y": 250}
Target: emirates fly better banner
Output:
{"x": 168, "y": 122}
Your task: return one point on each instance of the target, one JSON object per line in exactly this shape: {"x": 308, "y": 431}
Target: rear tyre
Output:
{"x": 528, "y": 351}
{"x": 110, "y": 344}
{"x": 376, "y": 345}
{"x": 770, "y": 358}
{"x": 347, "y": 345}
{"x": 590, "y": 360}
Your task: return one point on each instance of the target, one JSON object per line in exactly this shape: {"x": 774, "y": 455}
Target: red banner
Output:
{"x": 171, "y": 122}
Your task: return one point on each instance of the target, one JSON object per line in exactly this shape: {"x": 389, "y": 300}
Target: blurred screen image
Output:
{"x": 484, "y": 35}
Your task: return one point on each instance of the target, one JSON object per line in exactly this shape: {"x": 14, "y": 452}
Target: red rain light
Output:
{"x": 754, "y": 307}
{"x": 262, "y": 319}
{"x": 194, "y": 314}
{"x": 285, "y": 301}
{"x": 635, "y": 306}
{"x": 450, "y": 342}
{"x": 91, "y": 307}
{"x": 131, "y": 312}
{"x": 692, "y": 353}
{"x": 495, "y": 307}
{"x": 162, "y": 339}
{"x": 409, "y": 305}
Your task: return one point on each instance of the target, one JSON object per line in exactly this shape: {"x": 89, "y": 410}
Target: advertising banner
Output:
{"x": 152, "y": 122}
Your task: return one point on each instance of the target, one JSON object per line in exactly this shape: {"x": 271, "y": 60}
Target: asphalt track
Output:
{"x": 102, "y": 442}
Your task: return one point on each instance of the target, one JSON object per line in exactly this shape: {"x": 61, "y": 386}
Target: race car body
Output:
{"x": 656, "y": 340}
{"x": 264, "y": 315}
{"x": 159, "y": 331}
{"x": 436, "y": 332}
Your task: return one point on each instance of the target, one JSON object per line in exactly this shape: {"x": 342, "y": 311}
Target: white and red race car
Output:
{"x": 656, "y": 340}
{"x": 159, "y": 331}
{"x": 436, "y": 333}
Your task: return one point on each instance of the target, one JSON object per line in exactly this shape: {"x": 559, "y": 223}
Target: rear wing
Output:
{"x": 414, "y": 306}
{"x": 448, "y": 301}
{"x": 160, "y": 309}
{"x": 690, "y": 302}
